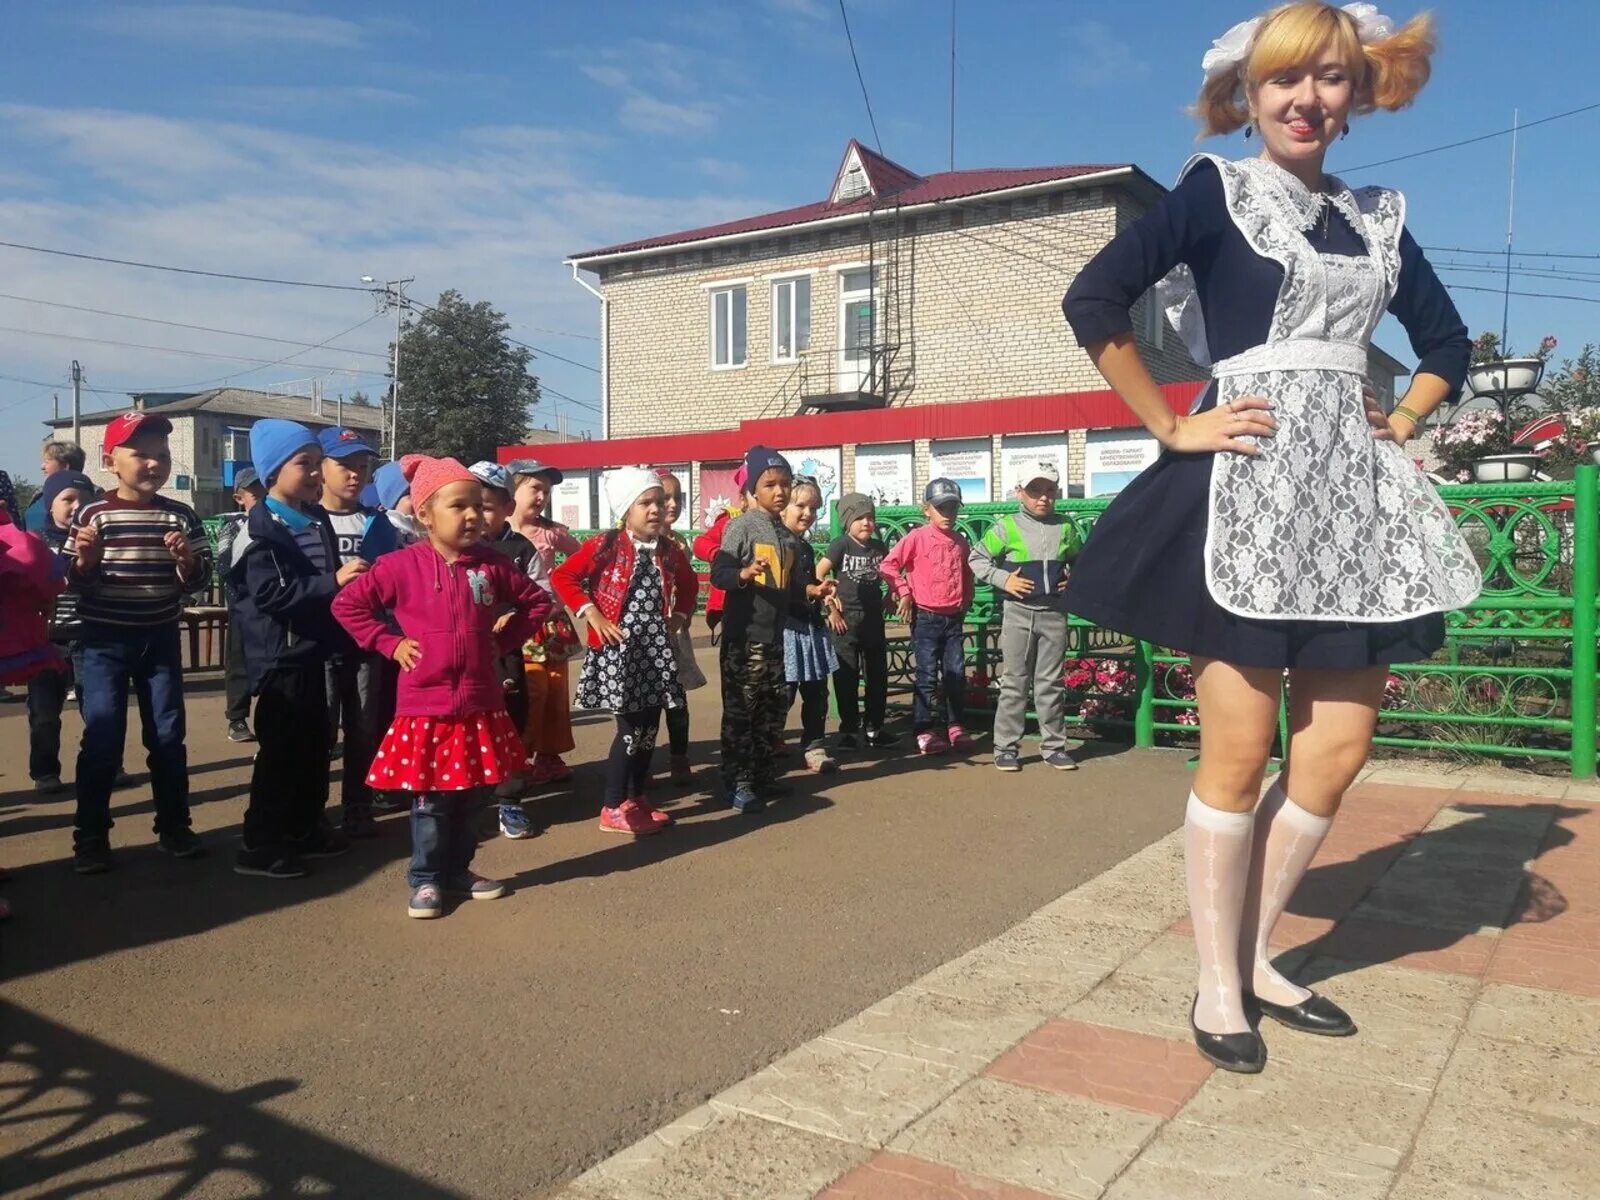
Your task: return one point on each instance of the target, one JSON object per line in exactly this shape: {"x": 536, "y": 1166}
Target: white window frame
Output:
{"x": 792, "y": 282}
{"x": 711, "y": 348}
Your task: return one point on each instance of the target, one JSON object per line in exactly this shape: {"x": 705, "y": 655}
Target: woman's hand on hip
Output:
{"x": 1223, "y": 428}
{"x": 1382, "y": 423}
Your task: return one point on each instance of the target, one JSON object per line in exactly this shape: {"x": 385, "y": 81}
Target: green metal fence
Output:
{"x": 1515, "y": 679}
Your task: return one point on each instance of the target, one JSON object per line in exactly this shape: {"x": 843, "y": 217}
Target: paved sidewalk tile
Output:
{"x": 890, "y": 1176}
{"x": 937, "y": 1028}
{"x": 1374, "y": 992}
{"x": 1016, "y": 975}
{"x": 1466, "y": 1152}
{"x": 1059, "y": 1145}
{"x": 1553, "y": 968}
{"x": 1415, "y": 946}
{"x": 1314, "y": 1110}
{"x": 846, "y": 1092}
{"x": 1411, "y": 780}
{"x": 1112, "y": 1066}
{"x": 733, "y": 1156}
{"x": 1556, "y": 1020}
{"x": 1191, "y": 1162}
{"x": 1537, "y": 1080}
{"x": 1410, "y": 1052}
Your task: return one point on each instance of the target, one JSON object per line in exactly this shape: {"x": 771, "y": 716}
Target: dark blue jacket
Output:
{"x": 282, "y": 603}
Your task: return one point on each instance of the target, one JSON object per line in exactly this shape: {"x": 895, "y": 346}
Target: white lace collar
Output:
{"x": 1300, "y": 203}
{"x": 640, "y": 543}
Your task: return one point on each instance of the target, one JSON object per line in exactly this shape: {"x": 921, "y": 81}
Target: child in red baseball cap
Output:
{"x": 132, "y": 555}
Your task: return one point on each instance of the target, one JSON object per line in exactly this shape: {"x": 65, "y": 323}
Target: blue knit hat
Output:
{"x": 391, "y": 484}
{"x": 274, "y": 442}
{"x": 55, "y": 484}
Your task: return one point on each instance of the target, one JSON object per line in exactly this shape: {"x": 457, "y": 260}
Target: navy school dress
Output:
{"x": 1329, "y": 550}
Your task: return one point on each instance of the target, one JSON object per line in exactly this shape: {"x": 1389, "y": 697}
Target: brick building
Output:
{"x": 903, "y": 327}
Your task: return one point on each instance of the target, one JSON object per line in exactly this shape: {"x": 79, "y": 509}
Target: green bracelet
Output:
{"x": 1416, "y": 421}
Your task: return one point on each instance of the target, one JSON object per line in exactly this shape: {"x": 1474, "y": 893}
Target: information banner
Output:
{"x": 968, "y": 462}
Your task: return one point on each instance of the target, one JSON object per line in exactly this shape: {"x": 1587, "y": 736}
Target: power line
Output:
{"x": 429, "y": 310}
{"x": 128, "y": 262}
{"x": 1482, "y": 137}
{"x": 1462, "y": 287}
{"x": 1502, "y": 253}
{"x": 865, "y": 99}
{"x": 543, "y": 388}
{"x": 240, "y": 358}
{"x": 1486, "y": 269}
{"x": 260, "y": 337}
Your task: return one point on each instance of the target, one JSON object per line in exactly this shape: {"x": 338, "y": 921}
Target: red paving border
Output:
{"x": 1111, "y": 1066}
{"x": 890, "y": 1176}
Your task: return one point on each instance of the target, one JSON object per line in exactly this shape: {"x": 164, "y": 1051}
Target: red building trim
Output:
{"x": 975, "y": 418}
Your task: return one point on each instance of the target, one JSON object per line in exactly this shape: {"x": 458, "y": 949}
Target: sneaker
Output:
{"x": 878, "y": 739}
{"x": 514, "y": 822}
{"x": 960, "y": 739}
{"x": 93, "y": 858}
{"x": 1061, "y": 761}
{"x": 475, "y": 887}
{"x": 1006, "y": 760}
{"x": 238, "y": 731}
{"x": 744, "y": 800}
{"x": 359, "y": 823}
{"x": 49, "y": 785}
{"x": 773, "y": 790}
{"x": 181, "y": 843}
{"x": 628, "y": 817}
{"x": 322, "y": 842}
{"x": 656, "y": 815}
{"x": 846, "y": 741}
{"x": 390, "y": 802}
{"x": 122, "y": 782}
{"x": 820, "y": 762}
{"x": 425, "y": 902}
{"x": 268, "y": 863}
{"x": 682, "y": 773}
{"x": 929, "y": 742}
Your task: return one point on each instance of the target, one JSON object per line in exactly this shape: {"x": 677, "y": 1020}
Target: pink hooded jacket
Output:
{"x": 449, "y": 610}
{"x": 31, "y": 578}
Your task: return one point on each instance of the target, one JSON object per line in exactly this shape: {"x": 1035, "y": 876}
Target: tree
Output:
{"x": 25, "y": 490}
{"x": 465, "y": 389}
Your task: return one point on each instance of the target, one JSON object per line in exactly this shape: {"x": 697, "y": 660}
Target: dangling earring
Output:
{"x": 1249, "y": 126}
{"x": 1345, "y": 134}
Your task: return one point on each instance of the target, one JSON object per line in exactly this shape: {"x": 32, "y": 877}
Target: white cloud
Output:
{"x": 660, "y": 83}
{"x": 810, "y": 10}
{"x": 722, "y": 170}
{"x": 229, "y": 24}
{"x": 646, "y": 114}
{"x": 277, "y": 98}
{"x": 1097, "y": 57}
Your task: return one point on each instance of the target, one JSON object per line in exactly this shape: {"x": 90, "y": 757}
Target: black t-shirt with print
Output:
{"x": 855, "y": 566}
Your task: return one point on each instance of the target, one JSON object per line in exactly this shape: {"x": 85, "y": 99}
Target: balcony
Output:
{"x": 826, "y": 379}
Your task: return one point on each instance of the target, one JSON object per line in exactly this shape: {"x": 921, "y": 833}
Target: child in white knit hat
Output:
{"x": 636, "y": 590}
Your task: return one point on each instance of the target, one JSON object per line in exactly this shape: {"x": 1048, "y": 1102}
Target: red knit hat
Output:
{"x": 427, "y": 475}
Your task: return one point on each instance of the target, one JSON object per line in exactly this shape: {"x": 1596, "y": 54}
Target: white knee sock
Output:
{"x": 1286, "y": 839}
{"x": 1216, "y": 851}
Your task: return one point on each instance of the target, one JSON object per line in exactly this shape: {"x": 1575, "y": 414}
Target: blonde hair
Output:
{"x": 805, "y": 484}
{"x": 1388, "y": 73}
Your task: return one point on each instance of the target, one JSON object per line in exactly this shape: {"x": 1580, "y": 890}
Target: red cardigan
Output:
{"x": 706, "y": 546}
{"x": 599, "y": 575}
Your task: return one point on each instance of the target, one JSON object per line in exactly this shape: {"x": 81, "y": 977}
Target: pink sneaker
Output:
{"x": 960, "y": 739}
{"x": 931, "y": 742}
{"x": 628, "y": 817}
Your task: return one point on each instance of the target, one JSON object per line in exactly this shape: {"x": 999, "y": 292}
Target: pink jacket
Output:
{"x": 932, "y": 567}
{"x": 30, "y": 580}
{"x": 449, "y": 609}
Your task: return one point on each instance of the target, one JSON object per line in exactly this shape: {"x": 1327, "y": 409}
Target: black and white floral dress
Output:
{"x": 641, "y": 671}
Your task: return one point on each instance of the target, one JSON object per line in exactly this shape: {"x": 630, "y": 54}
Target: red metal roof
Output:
{"x": 975, "y": 418}
{"x": 893, "y": 181}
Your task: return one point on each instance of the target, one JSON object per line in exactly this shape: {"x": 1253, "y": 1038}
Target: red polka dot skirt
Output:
{"x": 448, "y": 754}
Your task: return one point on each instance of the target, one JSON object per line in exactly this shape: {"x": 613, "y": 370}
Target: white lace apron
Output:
{"x": 1327, "y": 523}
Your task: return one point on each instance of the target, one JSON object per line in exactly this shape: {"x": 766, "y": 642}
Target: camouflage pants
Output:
{"x": 755, "y": 703}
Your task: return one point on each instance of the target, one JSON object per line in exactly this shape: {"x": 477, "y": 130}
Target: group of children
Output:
{"x": 432, "y": 629}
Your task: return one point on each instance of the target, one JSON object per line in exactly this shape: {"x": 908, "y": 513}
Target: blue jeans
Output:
{"x": 442, "y": 840}
{"x": 936, "y": 641}
{"x": 110, "y": 658}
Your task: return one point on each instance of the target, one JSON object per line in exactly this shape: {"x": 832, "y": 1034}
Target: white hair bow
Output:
{"x": 1229, "y": 50}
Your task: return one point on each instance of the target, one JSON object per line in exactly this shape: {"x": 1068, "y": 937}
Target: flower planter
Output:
{"x": 1505, "y": 468}
{"x": 1506, "y": 377}
{"x": 1594, "y": 453}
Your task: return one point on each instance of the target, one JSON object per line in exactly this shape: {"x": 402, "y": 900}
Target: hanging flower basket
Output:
{"x": 1505, "y": 468}
{"x": 1506, "y": 377}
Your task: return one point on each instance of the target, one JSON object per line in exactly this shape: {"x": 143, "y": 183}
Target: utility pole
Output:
{"x": 392, "y": 294}
{"x": 77, "y": 403}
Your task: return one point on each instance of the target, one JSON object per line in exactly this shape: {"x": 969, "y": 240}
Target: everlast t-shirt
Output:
{"x": 855, "y": 565}
{"x": 347, "y": 531}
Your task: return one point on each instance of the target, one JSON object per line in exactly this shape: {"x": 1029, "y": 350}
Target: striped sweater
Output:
{"x": 137, "y": 582}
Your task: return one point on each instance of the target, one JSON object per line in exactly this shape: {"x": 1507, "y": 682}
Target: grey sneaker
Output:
{"x": 49, "y": 785}
{"x": 1061, "y": 761}
{"x": 1006, "y": 760}
{"x": 475, "y": 887}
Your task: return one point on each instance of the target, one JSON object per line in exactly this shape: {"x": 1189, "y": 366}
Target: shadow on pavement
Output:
{"x": 79, "y": 1116}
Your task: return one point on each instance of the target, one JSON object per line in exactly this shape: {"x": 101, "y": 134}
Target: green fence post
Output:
{"x": 1144, "y": 717}
{"x": 1585, "y": 562}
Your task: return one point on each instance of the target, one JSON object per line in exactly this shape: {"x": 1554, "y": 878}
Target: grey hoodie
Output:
{"x": 1023, "y": 540}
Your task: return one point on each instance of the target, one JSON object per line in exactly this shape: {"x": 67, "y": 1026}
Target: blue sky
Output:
{"x": 474, "y": 145}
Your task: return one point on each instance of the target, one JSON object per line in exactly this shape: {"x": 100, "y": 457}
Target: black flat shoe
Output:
{"x": 1315, "y": 1014}
{"x": 1244, "y": 1053}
